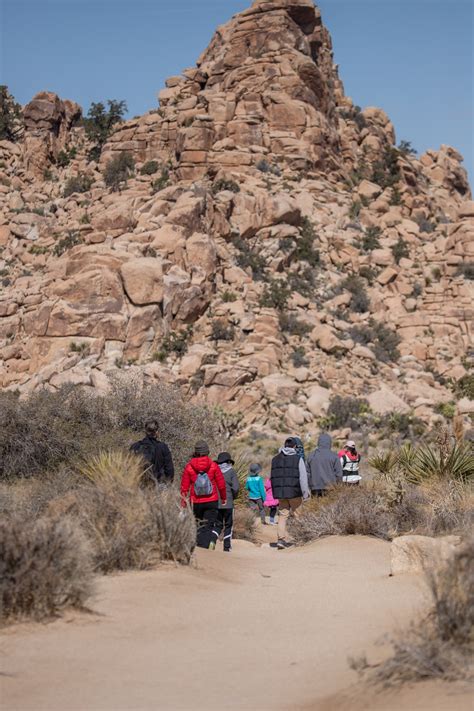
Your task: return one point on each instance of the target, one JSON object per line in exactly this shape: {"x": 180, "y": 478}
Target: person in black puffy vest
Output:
{"x": 289, "y": 480}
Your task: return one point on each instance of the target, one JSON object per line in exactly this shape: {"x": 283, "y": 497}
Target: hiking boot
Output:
{"x": 282, "y": 544}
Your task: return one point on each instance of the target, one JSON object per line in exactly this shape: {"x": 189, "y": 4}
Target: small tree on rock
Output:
{"x": 100, "y": 122}
{"x": 10, "y": 116}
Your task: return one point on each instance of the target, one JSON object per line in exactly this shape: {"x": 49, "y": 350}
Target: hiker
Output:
{"x": 256, "y": 490}
{"x": 289, "y": 480}
{"x": 225, "y": 513}
{"x": 270, "y": 502}
{"x": 156, "y": 455}
{"x": 325, "y": 468}
{"x": 350, "y": 460}
{"x": 299, "y": 448}
{"x": 202, "y": 481}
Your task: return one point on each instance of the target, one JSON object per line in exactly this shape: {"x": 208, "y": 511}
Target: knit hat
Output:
{"x": 350, "y": 444}
{"x": 201, "y": 449}
{"x": 255, "y": 469}
{"x": 224, "y": 457}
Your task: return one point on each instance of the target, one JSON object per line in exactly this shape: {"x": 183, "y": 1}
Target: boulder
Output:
{"x": 384, "y": 401}
{"x": 368, "y": 190}
{"x": 143, "y": 280}
{"x": 410, "y": 554}
{"x": 278, "y": 386}
{"x": 318, "y": 400}
{"x": 325, "y": 338}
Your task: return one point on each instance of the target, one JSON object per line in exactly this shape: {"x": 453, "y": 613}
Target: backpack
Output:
{"x": 203, "y": 485}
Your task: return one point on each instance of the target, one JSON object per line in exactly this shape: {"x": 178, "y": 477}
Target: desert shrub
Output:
{"x": 464, "y": 387}
{"x": 452, "y": 462}
{"x": 175, "y": 342}
{"x": 406, "y": 148}
{"x": 385, "y": 171}
{"x": 371, "y": 239}
{"x": 368, "y": 273}
{"x": 229, "y": 296}
{"x": 354, "y": 209}
{"x": 118, "y": 170}
{"x": 381, "y": 338}
{"x": 265, "y": 167}
{"x": 360, "y": 302}
{"x": 466, "y": 269}
{"x": 149, "y": 168}
{"x": 346, "y": 412}
{"x": 303, "y": 281}
{"x": 223, "y": 184}
{"x": 70, "y": 240}
{"x": 245, "y": 524}
{"x": 298, "y": 357}
{"x": 64, "y": 157}
{"x": 275, "y": 294}
{"x": 441, "y": 644}
{"x": 305, "y": 250}
{"x": 100, "y": 123}
{"x": 403, "y": 424}
{"x": 248, "y": 257}
{"x": 77, "y": 184}
{"x": 400, "y": 250}
{"x": 10, "y": 116}
{"x": 44, "y": 567}
{"x": 133, "y": 528}
{"x": 40, "y": 433}
{"x": 162, "y": 182}
{"x": 289, "y": 323}
{"x": 425, "y": 225}
{"x": 396, "y": 197}
{"x": 222, "y": 331}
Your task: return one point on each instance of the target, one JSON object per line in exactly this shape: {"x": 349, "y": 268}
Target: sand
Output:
{"x": 255, "y": 629}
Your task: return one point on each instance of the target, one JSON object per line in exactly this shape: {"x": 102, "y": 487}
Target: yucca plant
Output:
{"x": 114, "y": 467}
{"x": 426, "y": 462}
{"x": 385, "y": 462}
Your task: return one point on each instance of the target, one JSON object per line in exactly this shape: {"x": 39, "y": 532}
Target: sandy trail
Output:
{"x": 257, "y": 629}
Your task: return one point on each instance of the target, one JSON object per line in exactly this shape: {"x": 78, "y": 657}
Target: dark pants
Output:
{"x": 205, "y": 515}
{"x": 273, "y": 511}
{"x": 224, "y": 522}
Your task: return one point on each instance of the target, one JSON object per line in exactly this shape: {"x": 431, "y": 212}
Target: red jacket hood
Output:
{"x": 201, "y": 464}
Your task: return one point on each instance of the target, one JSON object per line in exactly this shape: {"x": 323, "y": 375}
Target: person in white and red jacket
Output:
{"x": 201, "y": 472}
{"x": 350, "y": 461}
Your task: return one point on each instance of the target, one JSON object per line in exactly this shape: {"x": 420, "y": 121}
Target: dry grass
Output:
{"x": 245, "y": 524}
{"x": 45, "y": 566}
{"x": 385, "y": 510}
{"x": 113, "y": 467}
{"x": 441, "y": 645}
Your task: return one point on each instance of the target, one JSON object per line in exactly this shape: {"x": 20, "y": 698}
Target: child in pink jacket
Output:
{"x": 270, "y": 501}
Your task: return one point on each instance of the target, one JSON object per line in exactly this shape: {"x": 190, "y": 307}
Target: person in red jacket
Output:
{"x": 350, "y": 462}
{"x": 203, "y": 483}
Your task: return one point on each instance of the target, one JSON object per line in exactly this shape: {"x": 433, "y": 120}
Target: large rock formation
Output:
{"x": 269, "y": 260}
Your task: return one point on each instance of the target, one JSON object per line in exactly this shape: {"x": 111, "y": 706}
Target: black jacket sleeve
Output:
{"x": 168, "y": 468}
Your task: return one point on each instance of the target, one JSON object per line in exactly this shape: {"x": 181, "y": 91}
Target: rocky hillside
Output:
{"x": 270, "y": 249}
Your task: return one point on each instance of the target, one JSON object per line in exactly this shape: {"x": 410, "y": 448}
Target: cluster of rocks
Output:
{"x": 233, "y": 275}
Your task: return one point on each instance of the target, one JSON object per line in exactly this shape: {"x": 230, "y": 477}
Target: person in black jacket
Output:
{"x": 155, "y": 454}
{"x": 289, "y": 480}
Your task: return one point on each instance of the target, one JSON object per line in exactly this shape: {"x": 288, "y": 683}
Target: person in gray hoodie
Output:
{"x": 324, "y": 466}
{"x": 289, "y": 480}
{"x": 225, "y": 514}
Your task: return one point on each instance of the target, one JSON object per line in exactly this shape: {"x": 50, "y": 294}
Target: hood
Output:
{"x": 201, "y": 464}
{"x": 225, "y": 467}
{"x": 288, "y": 451}
{"x": 324, "y": 441}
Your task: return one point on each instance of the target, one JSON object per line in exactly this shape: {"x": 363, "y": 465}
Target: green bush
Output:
{"x": 162, "y": 182}
{"x": 385, "y": 171}
{"x": 275, "y": 295}
{"x": 248, "y": 257}
{"x": 360, "y": 302}
{"x": 222, "y": 331}
{"x": 149, "y": 168}
{"x": 346, "y": 412}
{"x": 298, "y": 358}
{"x": 100, "y": 123}
{"x": 71, "y": 239}
{"x": 176, "y": 342}
{"x": 464, "y": 387}
{"x": 305, "y": 250}
{"x": 400, "y": 250}
{"x": 371, "y": 239}
{"x": 223, "y": 184}
{"x": 118, "y": 170}
{"x": 10, "y": 116}
{"x": 289, "y": 323}
{"x": 382, "y": 339}
{"x": 77, "y": 184}
{"x": 406, "y": 149}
